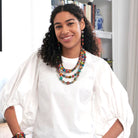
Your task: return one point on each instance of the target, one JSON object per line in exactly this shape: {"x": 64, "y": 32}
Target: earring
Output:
{"x": 82, "y": 38}
{"x": 59, "y": 47}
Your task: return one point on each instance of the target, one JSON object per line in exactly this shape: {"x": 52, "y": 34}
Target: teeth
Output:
{"x": 67, "y": 37}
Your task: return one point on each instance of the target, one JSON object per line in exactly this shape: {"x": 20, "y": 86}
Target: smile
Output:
{"x": 67, "y": 38}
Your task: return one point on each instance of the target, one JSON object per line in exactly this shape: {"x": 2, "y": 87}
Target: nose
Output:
{"x": 65, "y": 30}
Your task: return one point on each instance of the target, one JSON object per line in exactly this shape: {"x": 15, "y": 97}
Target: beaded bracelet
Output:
{"x": 19, "y": 135}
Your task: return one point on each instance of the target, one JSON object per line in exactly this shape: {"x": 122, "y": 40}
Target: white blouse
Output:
{"x": 85, "y": 109}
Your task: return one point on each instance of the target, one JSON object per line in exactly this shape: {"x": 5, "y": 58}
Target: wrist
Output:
{"x": 19, "y": 135}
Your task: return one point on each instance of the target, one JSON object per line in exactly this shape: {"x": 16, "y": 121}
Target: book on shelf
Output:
{"x": 92, "y": 13}
{"x": 89, "y": 10}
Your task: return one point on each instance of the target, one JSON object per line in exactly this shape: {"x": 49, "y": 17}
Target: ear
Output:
{"x": 82, "y": 24}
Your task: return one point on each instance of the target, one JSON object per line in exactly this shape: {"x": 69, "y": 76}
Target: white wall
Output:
{"x": 123, "y": 39}
{"x": 120, "y": 41}
{"x": 24, "y": 23}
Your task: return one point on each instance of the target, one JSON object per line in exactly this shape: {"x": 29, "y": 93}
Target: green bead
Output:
{"x": 60, "y": 78}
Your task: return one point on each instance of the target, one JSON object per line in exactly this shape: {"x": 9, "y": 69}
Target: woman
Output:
{"x": 65, "y": 89}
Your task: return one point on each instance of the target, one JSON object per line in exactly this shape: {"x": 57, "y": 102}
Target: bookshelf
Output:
{"x": 103, "y": 34}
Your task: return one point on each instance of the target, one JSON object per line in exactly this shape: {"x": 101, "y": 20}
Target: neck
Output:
{"x": 71, "y": 52}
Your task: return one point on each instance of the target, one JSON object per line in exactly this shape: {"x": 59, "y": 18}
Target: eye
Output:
{"x": 70, "y": 24}
{"x": 58, "y": 26}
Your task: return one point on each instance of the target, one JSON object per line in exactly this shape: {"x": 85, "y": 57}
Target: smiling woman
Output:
{"x": 65, "y": 89}
{"x": 68, "y": 32}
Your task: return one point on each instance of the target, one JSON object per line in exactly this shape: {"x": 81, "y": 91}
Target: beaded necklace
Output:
{"x": 62, "y": 71}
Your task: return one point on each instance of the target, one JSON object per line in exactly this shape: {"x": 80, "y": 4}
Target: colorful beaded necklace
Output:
{"x": 80, "y": 64}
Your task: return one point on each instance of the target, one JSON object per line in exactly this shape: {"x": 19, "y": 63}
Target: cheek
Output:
{"x": 57, "y": 34}
{"x": 79, "y": 33}
{"x": 78, "y": 30}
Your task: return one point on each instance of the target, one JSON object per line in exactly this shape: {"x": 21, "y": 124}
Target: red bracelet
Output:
{"x": 19, "y": 135}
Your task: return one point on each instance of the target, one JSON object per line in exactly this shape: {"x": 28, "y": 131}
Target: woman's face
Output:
{"x": 68, "y": 30}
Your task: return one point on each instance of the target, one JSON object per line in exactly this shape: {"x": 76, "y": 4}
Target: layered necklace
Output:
{"x": 65, "y": 74}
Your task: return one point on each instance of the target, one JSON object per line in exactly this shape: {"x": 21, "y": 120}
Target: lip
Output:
{"x": 67, "y": 38}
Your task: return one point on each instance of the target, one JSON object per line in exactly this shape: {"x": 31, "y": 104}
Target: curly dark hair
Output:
{"x": 49, "y": 51}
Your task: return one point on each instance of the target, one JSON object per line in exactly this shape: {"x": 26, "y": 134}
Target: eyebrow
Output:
{"x": 65, "y": 21}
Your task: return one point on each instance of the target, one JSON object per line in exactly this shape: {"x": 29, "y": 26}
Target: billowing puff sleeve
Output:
{"x": 22, "y": 90}
{"x": 110, "y": 102}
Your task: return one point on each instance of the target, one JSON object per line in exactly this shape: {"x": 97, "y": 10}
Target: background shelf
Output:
{"x": 103, "y": 34}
